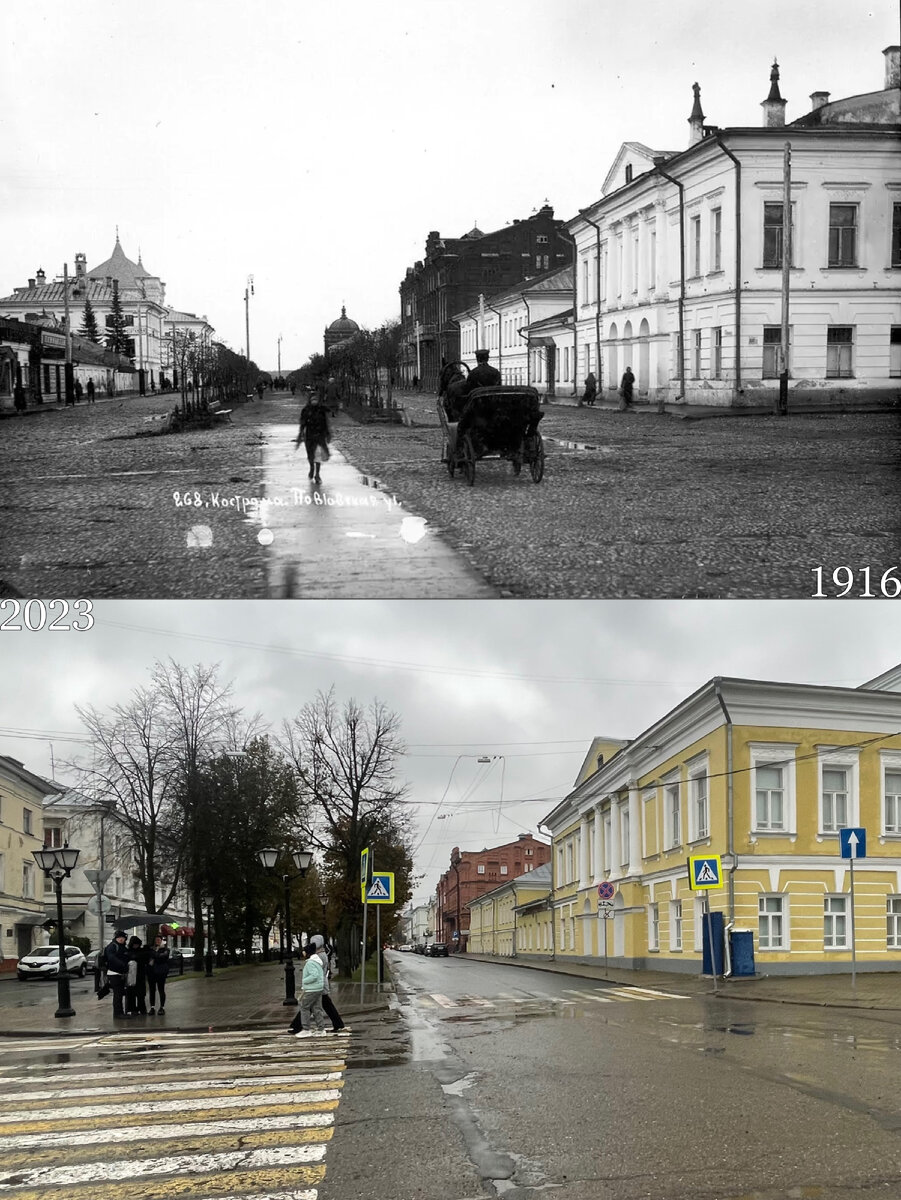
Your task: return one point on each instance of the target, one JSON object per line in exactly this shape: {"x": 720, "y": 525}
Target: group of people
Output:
{"x": 131, "y": 970}
{"x": 315, "y": 999}
{"x": 626, "y": 390}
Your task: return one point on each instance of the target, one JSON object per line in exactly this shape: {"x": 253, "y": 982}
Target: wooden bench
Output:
{"x": 218, "y": 413}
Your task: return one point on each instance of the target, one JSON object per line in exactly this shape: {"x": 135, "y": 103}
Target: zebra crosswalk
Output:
{"x": 570, "y": 996}
{"x": 169, "y": 1116}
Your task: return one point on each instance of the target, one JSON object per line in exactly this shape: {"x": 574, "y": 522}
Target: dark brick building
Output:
{"x": 472, "y": 873}
{"x": 453, "y": 274}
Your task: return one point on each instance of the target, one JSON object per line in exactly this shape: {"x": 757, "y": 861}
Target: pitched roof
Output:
{"x": 119, "y": 267}
{"x": 559, "y": 279}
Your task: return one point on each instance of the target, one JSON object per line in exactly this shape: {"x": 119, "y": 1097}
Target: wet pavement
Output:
{"x": 631, "y": 504}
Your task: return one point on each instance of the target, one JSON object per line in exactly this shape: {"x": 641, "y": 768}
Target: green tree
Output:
{"x": 89, "y": 328}
{"x": 117, "y": 337}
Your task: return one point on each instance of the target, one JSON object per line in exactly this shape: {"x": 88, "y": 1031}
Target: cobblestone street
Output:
{"x": 632, "y": 504}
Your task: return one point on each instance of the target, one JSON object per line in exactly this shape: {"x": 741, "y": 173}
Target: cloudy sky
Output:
{"x": 314, "y": 145}
{"x": 527, "y": 684}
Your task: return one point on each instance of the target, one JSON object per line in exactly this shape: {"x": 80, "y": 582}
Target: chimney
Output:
{"x": 696, "y": 120}
{"x": 41, "y": 277}
{"x": 892, "y": 66}
{"x": 818, "y": 99}
{"x": 31, "y": 283}
{"x": 774, "y": 106}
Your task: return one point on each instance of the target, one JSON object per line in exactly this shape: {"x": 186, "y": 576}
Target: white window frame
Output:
{"x": 653, "y": 928}
{"x": 503, "y": 868}
{"x": 765, "y": 917}
{"x": 649, "y": 815}
{"x": 561, "y": 867}
{"x": 893, "y": 922}
{"x": 624, "y": 823}
{"x": 672, "y": 837}
{"x": 829, "y": 916}
{"x": 2, "y": 874}
{"x": 889, "y": 760}
{"x": 676, "y": 923}
{"x": 480, "y": 868}
{"x": 698, "y": 769}
{"x": 841, "y": 758}
{"x": 27, "y": 881}
{"x": 716, "y": 240}
{"x": 607, "y": 826}
{"x": 768, "y": 754}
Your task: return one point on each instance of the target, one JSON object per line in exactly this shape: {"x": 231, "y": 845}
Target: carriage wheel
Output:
{"x": 468, "y": 460}
{"x": 536, "y": 462}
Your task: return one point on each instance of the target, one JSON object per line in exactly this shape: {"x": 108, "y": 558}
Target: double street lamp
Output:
{"x": 302, "y": 859}
{"x": 57, "y": 863}
{"x": 323, "y": 900}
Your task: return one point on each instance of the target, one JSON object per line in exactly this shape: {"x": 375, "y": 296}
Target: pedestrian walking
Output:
{"x": 591, "y": 390}
{"x": 332, "y": 395}
{"x": 315, "y": 434}
{"x": 261, "y": 387}
{"x": 136, "y": 985}
{"x": 157, "y": 970}
{"x": 116, "y": 958}
{"x": 318, "y": 942}
{"x": 19, "y": 401}
{"x": 625, "y": 388}
{"x": 312, "y": 985}
{"x": 79, "y": 391}
{"x": 90, "y": 392}
{"x": 415, "y": 383}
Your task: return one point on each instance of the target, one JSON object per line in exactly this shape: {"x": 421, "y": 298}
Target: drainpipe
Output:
{"x": 528, "y": 340}
{"x": 597, "y": 296}
{"x": 500, "y": 338}
{"x": 730, "y": 800}
{"x": 514, "y": 921}
{"x": 725, "y": 149}
{"x": 572, "y": 242}
{"x": 659, "y": 169}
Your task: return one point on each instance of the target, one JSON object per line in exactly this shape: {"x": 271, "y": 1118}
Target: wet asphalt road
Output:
{"x": 630, "y": 505}
{"x": 554, "y": 1086}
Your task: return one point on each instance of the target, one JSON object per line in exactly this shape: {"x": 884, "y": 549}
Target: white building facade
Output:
{"x": 678, "y": 268}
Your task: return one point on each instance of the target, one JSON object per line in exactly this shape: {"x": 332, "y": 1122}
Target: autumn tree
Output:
{"x": 346, "y": 760}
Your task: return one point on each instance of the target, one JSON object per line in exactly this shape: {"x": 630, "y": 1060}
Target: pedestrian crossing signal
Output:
{"x": 381, "y": 889}
{"x": 705, "y": 872}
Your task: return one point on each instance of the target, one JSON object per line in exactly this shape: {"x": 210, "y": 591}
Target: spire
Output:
{"x": 343, "y": 311}
{"x": 774, "y": 106}
{"x": 774, "y": 83}
{"x": 696, "y": 120}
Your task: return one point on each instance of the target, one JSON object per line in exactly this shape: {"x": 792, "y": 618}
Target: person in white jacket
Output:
{"x": 312, "y": 983}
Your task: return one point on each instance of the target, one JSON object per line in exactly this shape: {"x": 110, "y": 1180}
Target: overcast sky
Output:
{"x": 529, "y": 682}
{"x": 314, "y": 144}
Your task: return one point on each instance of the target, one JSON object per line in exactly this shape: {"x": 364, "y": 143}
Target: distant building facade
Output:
{"x": 339, "y": 331}
{"x": 455, "y": 271}
{"x": 679, "y": 262}
{"x": 472, "y": 873}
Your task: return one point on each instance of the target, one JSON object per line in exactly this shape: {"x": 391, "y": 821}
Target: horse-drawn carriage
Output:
{"x": 498, "y": 422}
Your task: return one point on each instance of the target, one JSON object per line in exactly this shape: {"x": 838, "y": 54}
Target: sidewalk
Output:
{"x": 874, "y": 990}
{"x": 233, "y": 998}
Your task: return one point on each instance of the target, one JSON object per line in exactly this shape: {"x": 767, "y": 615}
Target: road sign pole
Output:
{"x": 710, "y": 938}
{"x": 853, "y": 950}
{"x": 363, "y": 964}
{"x": 378, "y": 944}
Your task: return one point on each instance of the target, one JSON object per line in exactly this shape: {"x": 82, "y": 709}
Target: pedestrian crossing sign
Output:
{"x": 705, "y": 872}
{"x": 381, "y": 889}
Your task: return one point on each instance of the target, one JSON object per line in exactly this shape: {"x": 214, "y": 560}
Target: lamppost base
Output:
{"x": 65, "y": 1012}
{"x": 288, "y": 1002}
{"x": 290, "y": 989}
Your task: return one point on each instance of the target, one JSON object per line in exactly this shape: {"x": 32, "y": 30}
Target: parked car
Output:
{"x": 43, "y": 963}
{"x": 437, "y": 950}
{"x": 91, "y": 961}
{"x": 405, "y": 948}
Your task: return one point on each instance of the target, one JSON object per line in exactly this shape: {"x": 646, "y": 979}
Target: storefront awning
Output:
{"x": 541, "y": 341}
{"x": 30, "y": 919}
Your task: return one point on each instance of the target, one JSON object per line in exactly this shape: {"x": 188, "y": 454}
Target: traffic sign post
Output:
{"x": 853, "y": 844}
{"x": 606, "y": 892}
{"x": 705, "y": 874}
{"x": 365, "y": 869}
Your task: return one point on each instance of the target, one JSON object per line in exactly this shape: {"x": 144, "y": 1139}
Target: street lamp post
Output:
{"x": 208, "y": 957}
{"x": 323, "y": 900}
{"x": 58, "y": 863}
{"x": 302, "y": 860}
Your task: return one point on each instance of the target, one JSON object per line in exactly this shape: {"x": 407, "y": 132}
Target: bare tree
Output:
{"x": 346, "y": 761}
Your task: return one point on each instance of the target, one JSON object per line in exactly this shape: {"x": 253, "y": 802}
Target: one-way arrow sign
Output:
{"x": 853, "y": 843}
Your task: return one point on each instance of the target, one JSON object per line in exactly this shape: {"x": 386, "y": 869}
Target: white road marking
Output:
{"x": 109, "y": 1170}
{"x": 161, "y": 1106}
{"x": 444, "y": 1001}
{"x": 663, "y": 995}
{"x": 152, "y": 1087}
{"x": 596, "y": 996}
{"x": 303, "y": 1194}
{"x": 139, "y": 1133}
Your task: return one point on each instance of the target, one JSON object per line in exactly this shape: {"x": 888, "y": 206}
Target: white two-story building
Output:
{"x": 679, "y": 262}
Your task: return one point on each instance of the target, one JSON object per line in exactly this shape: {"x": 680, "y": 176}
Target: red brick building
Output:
{"x": 472, "y": 873}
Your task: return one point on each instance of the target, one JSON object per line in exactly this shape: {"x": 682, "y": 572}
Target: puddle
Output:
{"x": 460, "y": 1086}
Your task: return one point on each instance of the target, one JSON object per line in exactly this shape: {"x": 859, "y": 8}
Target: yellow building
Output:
{"x": 514, "y": 919}
{"x": 764, "y": 775}
{"x": 21, "y": 832}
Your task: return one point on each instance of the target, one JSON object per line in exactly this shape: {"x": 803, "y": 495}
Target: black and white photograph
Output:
{"x": 259, "y": 257}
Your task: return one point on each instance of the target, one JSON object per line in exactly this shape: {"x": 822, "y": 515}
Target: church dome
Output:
{"x": 343, "y": 325}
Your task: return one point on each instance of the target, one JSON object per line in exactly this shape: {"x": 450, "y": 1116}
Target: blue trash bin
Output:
{"x": 741, "y": 949}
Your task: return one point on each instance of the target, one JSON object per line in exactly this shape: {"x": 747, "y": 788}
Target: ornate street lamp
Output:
{"x": 57, "y": 863}
{"x": 302, "y": 859}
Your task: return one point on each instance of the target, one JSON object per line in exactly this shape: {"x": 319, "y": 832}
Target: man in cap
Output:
{"x": 116, "y": 958}
{"x": 482, "y": 375}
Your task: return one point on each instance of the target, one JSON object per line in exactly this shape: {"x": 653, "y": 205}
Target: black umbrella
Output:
{"x": 142, "y": 919}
